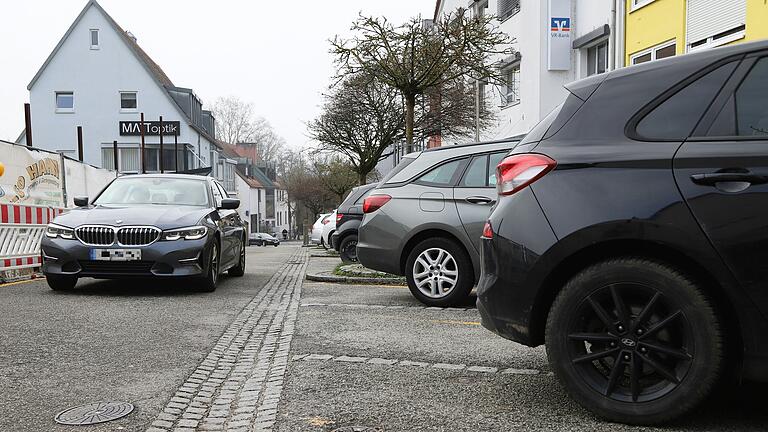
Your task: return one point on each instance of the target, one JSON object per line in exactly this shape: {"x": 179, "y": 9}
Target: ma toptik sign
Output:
{"x": 133, "y": 128}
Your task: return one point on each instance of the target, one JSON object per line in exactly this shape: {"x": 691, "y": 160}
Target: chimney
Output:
{"x": 130, "y": 35}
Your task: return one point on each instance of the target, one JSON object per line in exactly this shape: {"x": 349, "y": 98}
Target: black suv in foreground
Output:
{"x": 348, "y": 218}
{"x": 631, "y": 234}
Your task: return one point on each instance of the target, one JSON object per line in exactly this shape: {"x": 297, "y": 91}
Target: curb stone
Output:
{"x": 327, "y": 277}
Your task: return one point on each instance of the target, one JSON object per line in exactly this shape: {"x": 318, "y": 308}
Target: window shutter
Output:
{"x": 507, "y": 8}
{"x": 707, "y": 18}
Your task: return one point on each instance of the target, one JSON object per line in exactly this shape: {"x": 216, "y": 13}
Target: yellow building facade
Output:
{"x": 654, "y": 29}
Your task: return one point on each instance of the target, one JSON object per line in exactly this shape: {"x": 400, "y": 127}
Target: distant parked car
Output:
{"x": 263, "y": 239}
{"x": 425, "y": 218}
{"x": 317, "y": 228}
{"x": 155, "y": 225}
{"x": 630, "y": 235}
{"x": 348, "y": 218}
{"x": 329, "y": 227}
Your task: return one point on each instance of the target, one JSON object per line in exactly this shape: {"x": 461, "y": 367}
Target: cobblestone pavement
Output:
{"x": 238, "y": 385}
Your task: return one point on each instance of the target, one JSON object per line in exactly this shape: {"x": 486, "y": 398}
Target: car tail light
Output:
{"x": 375, "y": 202}
{"x": 338, "y": 217}
{"x": 488, "y": 230}
{"x": 518, "y": 171}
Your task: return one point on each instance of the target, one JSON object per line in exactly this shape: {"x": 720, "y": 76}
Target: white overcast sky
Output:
{"x": 271, "y": 53}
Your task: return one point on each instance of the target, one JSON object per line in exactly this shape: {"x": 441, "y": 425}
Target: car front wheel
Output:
{"x": 439, "y": 272}
{"x": 208, "y": 283}
{"x": 61, "y": 283}
{"x": 634, "y": 341}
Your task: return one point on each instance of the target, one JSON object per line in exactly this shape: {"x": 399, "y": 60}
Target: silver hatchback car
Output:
{"x": 426, "y": 217}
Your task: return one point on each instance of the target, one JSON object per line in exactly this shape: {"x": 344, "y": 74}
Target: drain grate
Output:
{"x": 94, "y": 413}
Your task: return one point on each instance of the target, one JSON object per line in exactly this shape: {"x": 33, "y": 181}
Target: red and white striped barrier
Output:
{"x": 21, "y": 230}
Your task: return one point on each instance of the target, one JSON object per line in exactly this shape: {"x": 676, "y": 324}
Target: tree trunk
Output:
{"x": 362, "y": 178}
{"x": 410, "y": 105}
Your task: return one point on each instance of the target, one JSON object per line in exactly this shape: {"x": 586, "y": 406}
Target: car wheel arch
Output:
{"x": 653, "y": 251}
{"x": 417, "y": 238}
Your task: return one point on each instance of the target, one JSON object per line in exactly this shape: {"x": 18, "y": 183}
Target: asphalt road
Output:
{"x": 359, "y": 356}
{"x": 418, "y": 394}
{"x": 132, "y": 341}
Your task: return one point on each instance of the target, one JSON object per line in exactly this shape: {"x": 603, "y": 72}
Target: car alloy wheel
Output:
{"x": 435, "y": 273}
{"x": 214, "y": 267}
{"x": 637, "y": 352}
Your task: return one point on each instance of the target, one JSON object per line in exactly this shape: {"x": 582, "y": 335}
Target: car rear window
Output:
{"x": 677, "y": 116}
{"x": 407, "y": 160}
{"x": 554, "y": 121}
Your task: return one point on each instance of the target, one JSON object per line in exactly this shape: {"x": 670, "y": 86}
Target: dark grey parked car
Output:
{"x": 164, "y": 226}
{"x": 426, "y": 217}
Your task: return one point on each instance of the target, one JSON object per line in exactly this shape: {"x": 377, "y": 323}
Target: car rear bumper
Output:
{"x": 379, "y": 248}
{"x": 181, "y": 258}
{"x": 508, "y": 289}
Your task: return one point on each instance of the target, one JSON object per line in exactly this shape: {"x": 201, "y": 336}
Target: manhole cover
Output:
{"x": 355, "y": 429}
{"x": 98, "y": 412}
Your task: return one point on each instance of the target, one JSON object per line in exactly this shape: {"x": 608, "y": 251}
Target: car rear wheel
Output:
{"x": 348, "y": 249}
{"x": 239, "y": 269}
{"x": 208, "y": 283}
{"x": 634, "y": 341}
{"x": 61, "y": 283}
{"x": 439, "y": 272}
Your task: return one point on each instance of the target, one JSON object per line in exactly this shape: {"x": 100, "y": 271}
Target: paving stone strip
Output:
{"x": 411, "y": 363}
{"x": 238, "y": 384}
{"x": 373, "y": 306}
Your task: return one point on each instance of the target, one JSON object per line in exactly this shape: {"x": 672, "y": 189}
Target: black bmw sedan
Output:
{"x": 631, "y": 235}
{"x": 159, "y": 226}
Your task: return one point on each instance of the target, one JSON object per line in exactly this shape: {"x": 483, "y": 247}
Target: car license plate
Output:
{"x": 116, "y": 254}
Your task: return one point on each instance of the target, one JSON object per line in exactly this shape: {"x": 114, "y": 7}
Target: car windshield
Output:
{"x": 155, "y": 190}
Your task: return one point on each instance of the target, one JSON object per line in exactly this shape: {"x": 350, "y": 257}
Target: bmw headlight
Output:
{"x": 53, "y": 231}
{"x": 189, "y": 233}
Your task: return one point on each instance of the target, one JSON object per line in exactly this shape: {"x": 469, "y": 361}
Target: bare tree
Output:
{"x": 269, "y": 144}
{"x": 335, "y": 174}
{"x": 415, "y": 58}
{"x": 361, "y": 119}
{"x": 234, "y": 120}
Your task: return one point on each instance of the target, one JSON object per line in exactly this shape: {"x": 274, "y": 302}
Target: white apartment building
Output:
{"x": 99, "y": 78}
{"x": 556, "y": 42}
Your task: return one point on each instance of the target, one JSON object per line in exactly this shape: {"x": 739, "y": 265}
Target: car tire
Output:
{"x": 61, "y": 283}
{"x": 211, "y": 279}
{"x": 651, "y": 320}
{"x": 348, "y": 249}
{"x": 322, "y": 243}
{"x": 452, "y": 267}
{"x": 239, "y": 269}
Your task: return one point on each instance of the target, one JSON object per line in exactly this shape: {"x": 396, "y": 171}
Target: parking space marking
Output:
{"x": 374, "y": 306}
{"x": 376, "y": 361}
{"x": 238, "y": 384}
{"x": 468, "y": 323}
{"x": 21, "y": 282}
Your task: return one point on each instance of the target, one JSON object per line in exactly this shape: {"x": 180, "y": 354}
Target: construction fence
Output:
{"x": 36, "y": 186}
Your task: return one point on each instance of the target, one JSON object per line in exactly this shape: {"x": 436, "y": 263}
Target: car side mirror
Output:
{"x": 81, "y": 201}
{"x": 229, "y": 203}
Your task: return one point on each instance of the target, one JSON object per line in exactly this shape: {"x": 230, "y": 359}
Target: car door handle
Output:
{"x": 478, "y": 200}
{"x": 712, "y": 179}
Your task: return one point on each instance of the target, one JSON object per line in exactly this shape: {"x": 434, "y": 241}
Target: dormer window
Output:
{"x": 94, "y": 39}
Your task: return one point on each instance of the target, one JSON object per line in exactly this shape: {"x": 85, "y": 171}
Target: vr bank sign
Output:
{"x": 559, "y": 42}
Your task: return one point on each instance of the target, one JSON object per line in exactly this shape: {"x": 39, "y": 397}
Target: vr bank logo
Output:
{"x": 561, "y": 24}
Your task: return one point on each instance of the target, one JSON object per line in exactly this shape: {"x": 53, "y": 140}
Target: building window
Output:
{"x": 65, "y": 102}
{"x": 721, "y": 38}
{"x": 511, "y": 91}
{"x": 508, "y": 8}
{"x": 479, "y": 7}
{"x": 94, "y": 38}
{"x": 637, "y": 4}
{"x": 597, "y": 58}
{"x": 128, "y": 101}
{"x": 667, "y": 49}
